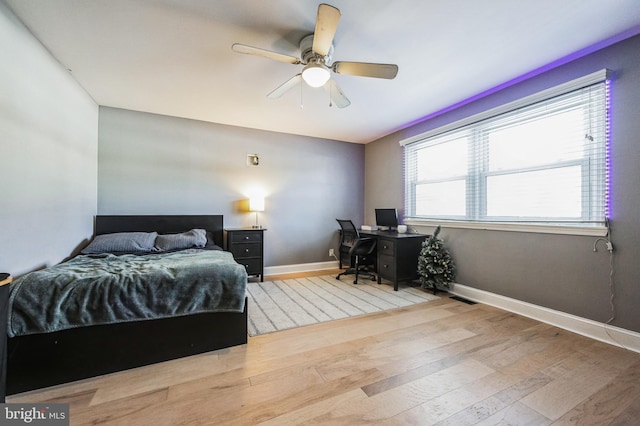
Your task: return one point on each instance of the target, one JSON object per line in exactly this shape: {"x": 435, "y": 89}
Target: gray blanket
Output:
{"x": 103, "y": 289}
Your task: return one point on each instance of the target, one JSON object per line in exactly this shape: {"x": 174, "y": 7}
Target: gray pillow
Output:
{"x": 122, "y": 242}
{"x": 184, "y": 240}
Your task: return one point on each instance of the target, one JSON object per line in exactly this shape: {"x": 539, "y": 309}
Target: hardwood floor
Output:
{"x": 443, "y": 362}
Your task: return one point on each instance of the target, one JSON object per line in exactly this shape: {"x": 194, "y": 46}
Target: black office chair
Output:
{"x": 361, "y": 251}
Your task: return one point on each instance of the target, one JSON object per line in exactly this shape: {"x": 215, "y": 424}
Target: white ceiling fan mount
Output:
{"x": 307, "y": 54}
{"x": 316, "y": 51}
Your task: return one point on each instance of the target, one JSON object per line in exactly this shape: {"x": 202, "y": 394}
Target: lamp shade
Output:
{"x": 315, "y": 74}
{"x": 256, "y": 204}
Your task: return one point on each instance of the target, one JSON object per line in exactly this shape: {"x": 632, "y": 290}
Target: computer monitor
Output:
{"x": 387, "y": 217}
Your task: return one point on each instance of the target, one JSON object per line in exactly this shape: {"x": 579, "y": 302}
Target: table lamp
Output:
{"x": 256, "y": 204}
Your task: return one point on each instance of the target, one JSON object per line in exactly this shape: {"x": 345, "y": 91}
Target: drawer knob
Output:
{"x": 246, "y": 238}
{"x": 246, "y": 250}
{"x": 385, "y": 266}
{"x": 385, "y": 247}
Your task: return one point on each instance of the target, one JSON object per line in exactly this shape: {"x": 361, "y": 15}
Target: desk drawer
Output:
{"x": 386, "y": 266}
{"x": 386, "y": 246}
{"x": 241, "y": 250}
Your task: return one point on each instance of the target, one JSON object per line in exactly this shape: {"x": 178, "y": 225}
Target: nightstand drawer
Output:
{"x": 246, "y": 237}
{"x": 242, "y": 250}
{"x": 386, "y": 246}
{"x": 253, "y": 266}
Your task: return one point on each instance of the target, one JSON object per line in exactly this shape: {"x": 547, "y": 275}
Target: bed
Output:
{"x": 61, "y": 353}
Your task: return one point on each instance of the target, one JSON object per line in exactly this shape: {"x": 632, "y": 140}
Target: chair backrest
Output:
{"x": 349, "y": 234}
{"x": 363, "y": 247}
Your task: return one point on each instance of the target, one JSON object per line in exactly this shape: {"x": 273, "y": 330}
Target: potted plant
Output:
{"x": 435, "y": 265}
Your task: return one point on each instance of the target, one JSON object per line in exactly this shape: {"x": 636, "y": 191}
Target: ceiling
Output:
{"x": 174, "y": 57}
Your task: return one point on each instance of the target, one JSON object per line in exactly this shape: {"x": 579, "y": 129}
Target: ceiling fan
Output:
{"x": 316, "y": 51}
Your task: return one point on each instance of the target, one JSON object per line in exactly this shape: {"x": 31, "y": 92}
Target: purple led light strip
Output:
{"x": 548, "y": 67}
{"x": 607, "y": 206}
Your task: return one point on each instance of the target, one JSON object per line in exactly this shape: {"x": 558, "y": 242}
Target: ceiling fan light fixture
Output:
{"x": 316, "y": 74}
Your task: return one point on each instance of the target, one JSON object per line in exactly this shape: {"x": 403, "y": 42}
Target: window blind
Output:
{"x": 541, "y": 162}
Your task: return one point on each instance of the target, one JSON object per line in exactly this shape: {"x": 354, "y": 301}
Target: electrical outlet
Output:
{"x": 332, "y": 253}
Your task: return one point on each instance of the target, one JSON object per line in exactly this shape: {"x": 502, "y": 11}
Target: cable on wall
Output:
{"x": 609, "y": 246}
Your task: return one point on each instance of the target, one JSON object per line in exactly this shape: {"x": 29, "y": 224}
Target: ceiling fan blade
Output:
{"x": 365, "y": 69}
{"x": 285, "y": 87}
{"x": 336, "y": 94}
{"x": 250, "y": 50}
{"x": 326, "y": 26}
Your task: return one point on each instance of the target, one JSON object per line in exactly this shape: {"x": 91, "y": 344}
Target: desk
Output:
{"x": 397, "y": 255}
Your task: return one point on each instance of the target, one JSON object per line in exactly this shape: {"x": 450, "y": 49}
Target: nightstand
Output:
{"x": 5, "y": 280}
{"x": 247, "y": 247}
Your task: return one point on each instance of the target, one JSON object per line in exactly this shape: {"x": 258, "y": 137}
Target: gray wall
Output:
{"x": 48, "y": 148}
{"x": 560, "y": 272}
{"x": 154, "y": 164}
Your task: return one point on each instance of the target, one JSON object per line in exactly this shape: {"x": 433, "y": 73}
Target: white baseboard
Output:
{"x": 303, "y": 267}
{"x": 596, "y": 330}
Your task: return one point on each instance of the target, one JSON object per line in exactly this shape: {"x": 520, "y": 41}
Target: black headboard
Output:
{"x": 161, "y": 224}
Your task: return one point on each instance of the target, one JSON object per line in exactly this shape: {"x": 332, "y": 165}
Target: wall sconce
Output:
{"x": 256, "y": 204}
{"x": 253, "y": 160}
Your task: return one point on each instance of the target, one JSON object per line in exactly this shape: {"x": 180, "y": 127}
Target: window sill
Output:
{"x": 593, "y": 231}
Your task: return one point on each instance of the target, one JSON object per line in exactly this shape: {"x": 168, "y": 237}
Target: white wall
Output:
{"x": 48, "y": 154}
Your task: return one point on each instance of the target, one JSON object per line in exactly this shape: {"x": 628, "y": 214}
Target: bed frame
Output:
{"x": 42, "y": 360}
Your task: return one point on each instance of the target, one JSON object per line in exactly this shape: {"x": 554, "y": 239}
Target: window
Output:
{"x": 541, "y": 160}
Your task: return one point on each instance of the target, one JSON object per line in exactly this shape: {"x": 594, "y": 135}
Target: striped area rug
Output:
{"x": 279, "y": 305}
